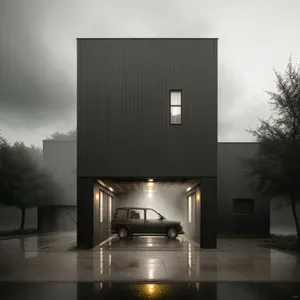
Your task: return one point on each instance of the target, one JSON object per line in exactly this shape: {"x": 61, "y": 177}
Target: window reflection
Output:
{"x": 151, "y": 273}
{"x": 101, "y": 261}
{"x": 152, "y": 291}
{"x": 190, "y": 259}
{"x": 109, "y": 264}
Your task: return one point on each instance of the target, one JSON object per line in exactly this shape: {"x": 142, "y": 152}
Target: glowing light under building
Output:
{"x": 150, "y": 185}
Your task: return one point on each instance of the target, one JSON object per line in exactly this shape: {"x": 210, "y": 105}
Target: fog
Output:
{"x": 38, "y": 54}
{"x": 167, "y": 200}
{"x": 282, "y": 220}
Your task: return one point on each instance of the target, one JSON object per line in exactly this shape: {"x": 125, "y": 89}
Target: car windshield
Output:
{"x": 152, "y": 215}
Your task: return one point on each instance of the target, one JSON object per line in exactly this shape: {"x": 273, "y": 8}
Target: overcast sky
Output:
{"x": 38, "y": 54}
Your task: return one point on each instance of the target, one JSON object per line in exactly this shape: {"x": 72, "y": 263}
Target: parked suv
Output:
{"x": 143, "y": 221}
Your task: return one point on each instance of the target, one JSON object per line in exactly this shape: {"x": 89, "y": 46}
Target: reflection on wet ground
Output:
{"x": 153, "y": 243}
{"x": 53, "y": 257}
{"x": 110, "y": 290}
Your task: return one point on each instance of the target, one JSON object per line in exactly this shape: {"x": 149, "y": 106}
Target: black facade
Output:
{"x": 123, "y": 120}
{"x": 123, "y": 108}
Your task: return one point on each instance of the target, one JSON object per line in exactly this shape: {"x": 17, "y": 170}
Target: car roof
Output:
{"x": 133, "y": 207}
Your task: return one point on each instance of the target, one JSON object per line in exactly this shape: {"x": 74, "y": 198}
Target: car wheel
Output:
{"x": 123, "y": 233}
{"x": 172, "y": 233}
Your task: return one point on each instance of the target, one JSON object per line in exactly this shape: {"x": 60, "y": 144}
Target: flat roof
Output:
{"x": 238, "y": 142}
{"x": 147, "y": 38}
{"x": 134, "y": 207}
{"x": 50, "y": 140}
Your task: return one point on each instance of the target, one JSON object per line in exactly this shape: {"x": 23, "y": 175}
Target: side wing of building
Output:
{"x": 241, "y": 209}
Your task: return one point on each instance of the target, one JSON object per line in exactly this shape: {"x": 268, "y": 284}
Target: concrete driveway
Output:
{"x": 52, "y": 257}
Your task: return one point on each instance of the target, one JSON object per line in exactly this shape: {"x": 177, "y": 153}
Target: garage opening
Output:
{"x": 145, "y": 202}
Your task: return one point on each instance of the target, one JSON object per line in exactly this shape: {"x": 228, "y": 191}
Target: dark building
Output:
{"x": 147, "y": 108}
{"x": 59, "y": 157}
{"x": 242, "y": 211}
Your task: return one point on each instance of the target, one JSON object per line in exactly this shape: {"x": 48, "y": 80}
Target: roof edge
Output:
{"x": 147, "y": 38}
{"x": 50, "y": 140}
{"x": 238, "y": 143}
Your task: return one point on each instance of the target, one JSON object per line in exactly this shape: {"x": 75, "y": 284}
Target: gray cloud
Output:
{"x": 38, "y": 54}
{"x": 34, "y": 89}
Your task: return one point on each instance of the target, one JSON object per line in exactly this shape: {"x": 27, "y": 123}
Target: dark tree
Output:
{"x": 24, "y": 183}
{"x": 71, "y": 135}
{"x": 277, "y": 165}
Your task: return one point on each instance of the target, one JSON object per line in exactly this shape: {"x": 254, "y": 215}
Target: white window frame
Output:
{"x": 175, "y": 105}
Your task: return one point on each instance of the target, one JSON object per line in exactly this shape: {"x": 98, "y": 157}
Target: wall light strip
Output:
{"x": 105, "y": 185}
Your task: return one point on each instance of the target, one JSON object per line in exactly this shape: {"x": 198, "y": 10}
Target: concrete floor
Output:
{"x": 53, "y": 257}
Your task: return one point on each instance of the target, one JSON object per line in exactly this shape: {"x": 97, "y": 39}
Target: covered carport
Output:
{"x": 192, "y": 201}
{"x": 167, "y": 197}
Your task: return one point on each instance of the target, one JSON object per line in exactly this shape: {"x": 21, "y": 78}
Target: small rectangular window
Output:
{"x": 243, "y": 206}
{"x": 101, "y": 206}
{"x": 175, "y": 107}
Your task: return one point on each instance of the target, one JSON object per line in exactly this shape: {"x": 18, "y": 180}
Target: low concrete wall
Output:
{"x": 57, "y": 218}
{"x": 10, "y": 218}
{"x": 59, "y": 157}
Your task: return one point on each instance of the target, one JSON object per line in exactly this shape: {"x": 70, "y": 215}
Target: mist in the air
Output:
{"x": 168, "y": 200}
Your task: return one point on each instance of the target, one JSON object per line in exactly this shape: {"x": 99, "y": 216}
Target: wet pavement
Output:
{"x": 53, "y": 257}
{"x": 103, "y": 290}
